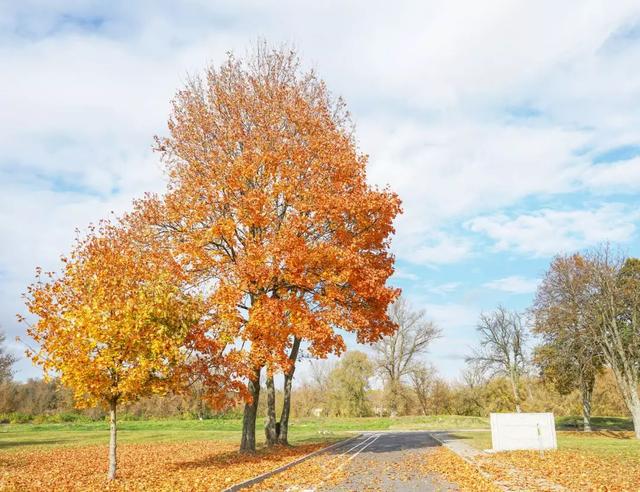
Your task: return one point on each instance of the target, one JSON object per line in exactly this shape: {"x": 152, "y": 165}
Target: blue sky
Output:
{"x": 511, "y": 130}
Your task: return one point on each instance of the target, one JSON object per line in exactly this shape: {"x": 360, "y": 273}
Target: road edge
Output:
{"x": 255, "y": 480}
{"x": 467, "y": 460}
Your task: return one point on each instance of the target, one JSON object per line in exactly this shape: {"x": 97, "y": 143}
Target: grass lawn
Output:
{"x": 305, "y": 430}
{"x": 25, "y": 436}
{"x": 308, "y": 430}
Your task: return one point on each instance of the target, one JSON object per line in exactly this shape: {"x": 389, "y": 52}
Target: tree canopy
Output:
{"x": 114, "y": 323}
{"x": 569, "y": 355}
{"x": 269, "y": 208}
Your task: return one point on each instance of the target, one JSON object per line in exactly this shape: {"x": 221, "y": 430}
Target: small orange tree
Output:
{"x": 113, "y": 325}
{"x": 269, "y": 206}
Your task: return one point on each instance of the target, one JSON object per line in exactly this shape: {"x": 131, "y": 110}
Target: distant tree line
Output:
{"x": 502, "y": 374}
{"x": 39, "y": 401}
{"x": 342, "y": 389}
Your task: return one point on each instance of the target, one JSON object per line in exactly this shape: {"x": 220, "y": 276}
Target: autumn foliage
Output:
{"x": 268, "y": 199}
{"x": 571, "y": 469}
{"x": 114, "y": 323}
{"x": 269, "y": 212}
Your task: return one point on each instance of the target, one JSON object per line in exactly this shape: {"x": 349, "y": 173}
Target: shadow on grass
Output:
{"x": 612, "y": 434}
{"x": 219, "y": 460}
{"x": 34, "y": 442}
{"x": 597, "y": 423}
{"x": 453, "y": 435}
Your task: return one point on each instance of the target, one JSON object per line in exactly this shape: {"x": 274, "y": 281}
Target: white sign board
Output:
{"x": 513, "y": 431}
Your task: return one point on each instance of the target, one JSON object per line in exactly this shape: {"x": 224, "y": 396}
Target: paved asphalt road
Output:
{"x": 386, "y": 461}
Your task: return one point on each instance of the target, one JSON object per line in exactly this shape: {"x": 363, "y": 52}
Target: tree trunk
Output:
{"x": 423, "y": 403}
{"x": 112, "y": 440}
{"x": 516, "y": 393}
{"x": 248, "y": 441}
{"x": 283, "y": 431}
{"x": 634, "y": 408}
{"x": 270, "y": 429}
{"x": 587, "y": 391}
{"x": 394, "y": 397}
{"x": 628, "y": 387}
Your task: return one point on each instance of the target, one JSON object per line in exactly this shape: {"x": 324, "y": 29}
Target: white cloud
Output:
{"x": 445, "y": 249}
{"x": 623, "y": 176}
{"x": 548, "y": 232}
{"x": 453, "y": 318}
{"x": 451, "y": 167}
{"x": 514, "y": 284}
{"x": 445, "y": 288}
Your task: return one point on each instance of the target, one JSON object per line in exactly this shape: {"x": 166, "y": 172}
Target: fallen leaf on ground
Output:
{"x": 574, "y": 470}
{"x": 193, "y": 466}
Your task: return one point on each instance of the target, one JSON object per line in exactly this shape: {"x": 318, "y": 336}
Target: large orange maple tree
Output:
{"x": 269, "y": 208}
{"x": 113, "y": 324}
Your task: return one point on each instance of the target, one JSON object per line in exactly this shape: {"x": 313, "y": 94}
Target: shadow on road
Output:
{"x": 389, "y": 442}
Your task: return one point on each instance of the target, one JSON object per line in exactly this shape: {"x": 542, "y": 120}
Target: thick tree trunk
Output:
{"x": 586, "y": 388}
{"x": 634, "y": 408}
{"x": 248, "y": 441}
{"x": 112, "y": 440}
{"x": 283, "y": 431}
{"x": 283, "y": 434}
{"x": 627, "y": 385}
{"x": 270, "y": 428}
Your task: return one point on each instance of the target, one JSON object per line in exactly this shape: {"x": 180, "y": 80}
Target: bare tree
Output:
{"x": 473, "y": 388}
{"x": 6, "y": 361}
{"x": 319, "y": 373}
{"x": 396, "y": 354}
{"x": 422, "y": 378}
{"x": 616, "y": 324}
{"x": 501, "y": 351}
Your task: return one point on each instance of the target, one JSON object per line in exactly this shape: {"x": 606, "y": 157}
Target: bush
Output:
{"x": 15, "y": 418}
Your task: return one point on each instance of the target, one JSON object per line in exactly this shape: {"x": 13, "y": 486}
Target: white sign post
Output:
{"x": 515, "y": 431}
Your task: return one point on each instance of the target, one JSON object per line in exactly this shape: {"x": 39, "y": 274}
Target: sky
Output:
{"x": 510, "y": 129}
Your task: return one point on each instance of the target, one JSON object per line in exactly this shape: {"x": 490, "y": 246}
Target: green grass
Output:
{"x": 25, "y": 436}
{"x": 13, "y": 440}
{"x": 603, "y": 443}
{"x": 21, "y": 436}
